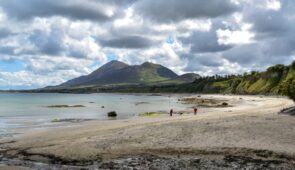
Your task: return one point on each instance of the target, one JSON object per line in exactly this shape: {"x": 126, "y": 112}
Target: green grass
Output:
{"x": 150, "y": 114}
{"x": 147, "y": 76}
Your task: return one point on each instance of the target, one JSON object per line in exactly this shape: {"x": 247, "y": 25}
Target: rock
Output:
{"x": 288, "y": 111}
{"x": 112, "y": 114}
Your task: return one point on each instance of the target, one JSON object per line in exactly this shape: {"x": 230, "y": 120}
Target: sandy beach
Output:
{"x": 248, "y": 134}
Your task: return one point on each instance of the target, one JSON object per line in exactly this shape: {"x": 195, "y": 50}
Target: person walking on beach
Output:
{"x": 171, "y": 112}
{"x": 195, "y": 110}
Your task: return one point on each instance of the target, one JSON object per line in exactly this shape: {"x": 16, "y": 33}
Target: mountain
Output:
{"x": 153, "y": 78}
{"x": 119, "y": 73}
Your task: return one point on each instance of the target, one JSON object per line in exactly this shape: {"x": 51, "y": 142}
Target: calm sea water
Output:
{"x": 30, "y": 109}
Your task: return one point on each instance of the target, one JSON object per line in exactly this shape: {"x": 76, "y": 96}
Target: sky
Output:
{"x": 47, "y": 42}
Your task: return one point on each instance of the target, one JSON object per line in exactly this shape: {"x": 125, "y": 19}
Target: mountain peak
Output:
{"x": 115, "y": 62}
{"x": 148, "y": 64}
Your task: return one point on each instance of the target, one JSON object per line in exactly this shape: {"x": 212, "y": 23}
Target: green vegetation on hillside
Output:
{"x": 276, "y": 80}
{"x": 289, "y": 85}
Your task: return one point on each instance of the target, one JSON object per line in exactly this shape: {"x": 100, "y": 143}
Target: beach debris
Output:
{"x": 139, "y": 103}
{"x": 64, "y": 106}
{"x": 224, "y": 104}
{"x": 112, "y": 114}
{"x": 102, "y": 106}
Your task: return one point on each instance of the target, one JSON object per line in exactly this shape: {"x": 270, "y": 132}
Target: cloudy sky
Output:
{"x": 46, "y": 42}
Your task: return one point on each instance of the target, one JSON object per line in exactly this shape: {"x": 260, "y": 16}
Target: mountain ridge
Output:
{"x": 116, "y": 72}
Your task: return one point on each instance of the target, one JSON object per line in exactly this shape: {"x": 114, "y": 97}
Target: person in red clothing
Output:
{"x": 171, "y": 112}
{"x": 195, "y": 110}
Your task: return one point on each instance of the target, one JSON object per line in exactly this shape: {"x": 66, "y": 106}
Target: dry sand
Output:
{"x": 250, "y": 134}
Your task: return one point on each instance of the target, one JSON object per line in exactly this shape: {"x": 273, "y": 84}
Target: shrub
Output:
{"x": 112, "y": 114}
{"x": 291, "y": 89}
{"x": 288, "y": 88}
{"x": 293, "y": 65}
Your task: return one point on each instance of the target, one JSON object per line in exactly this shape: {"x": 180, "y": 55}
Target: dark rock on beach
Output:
{"x": 288, "y": 111}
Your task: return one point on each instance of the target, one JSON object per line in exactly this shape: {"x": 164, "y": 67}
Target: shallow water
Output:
{"x": 19, "y": 110}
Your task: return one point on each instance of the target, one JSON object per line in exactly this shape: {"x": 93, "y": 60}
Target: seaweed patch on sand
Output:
{"x": 205, "y": 102}
{"x": 65, "y": 106}
{"x": 70, "y": 120}
{"x": 150, "y": 114}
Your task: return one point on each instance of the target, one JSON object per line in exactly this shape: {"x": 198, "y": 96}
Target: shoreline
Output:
{"x": 251, "y": 126}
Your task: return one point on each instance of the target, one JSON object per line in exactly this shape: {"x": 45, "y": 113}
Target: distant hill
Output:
{"x": 119, "y": 73}
{"x": 276, "y": 80}
{"x": 153, "y": 78}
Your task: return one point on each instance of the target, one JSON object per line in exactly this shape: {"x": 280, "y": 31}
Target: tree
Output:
{"x": 291, "y": 89}
{"x": 293, "y": 65}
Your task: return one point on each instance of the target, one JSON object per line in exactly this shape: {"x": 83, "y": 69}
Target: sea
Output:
{"x": 31, "y": 111}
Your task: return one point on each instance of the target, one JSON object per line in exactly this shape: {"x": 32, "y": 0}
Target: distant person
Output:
{"x": 195, "y": 110}
{"x": 171, "y": 112}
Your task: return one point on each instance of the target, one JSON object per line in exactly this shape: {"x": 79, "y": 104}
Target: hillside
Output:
{"x": 276, "y": 80}
{"x": 119, "y": 73}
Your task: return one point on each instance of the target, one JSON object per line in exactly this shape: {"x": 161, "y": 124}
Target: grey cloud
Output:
{"x": 207, "y": 64}
{"x": 77, "y": 9}
{"x": 4, "y": 33}
{"x": 7, "y": 50}
{"x": 204, "y": 42}
{"x": 198, "y": 61}
{"x": 260, "y": 54}
{"x": 176, "y": 10}
{"x": 48, "y": 43}
{"x": 268, "y": 23}
{"x": 274, "y": 37}
{"x": 133, "y": 42}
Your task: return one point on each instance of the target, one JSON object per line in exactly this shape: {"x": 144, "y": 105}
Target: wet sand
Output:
{"x": 249, "y": 134}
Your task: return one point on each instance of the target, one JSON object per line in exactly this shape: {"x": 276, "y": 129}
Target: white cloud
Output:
{"x": 229, "y": 37}
{"x": 273, "y": 5}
